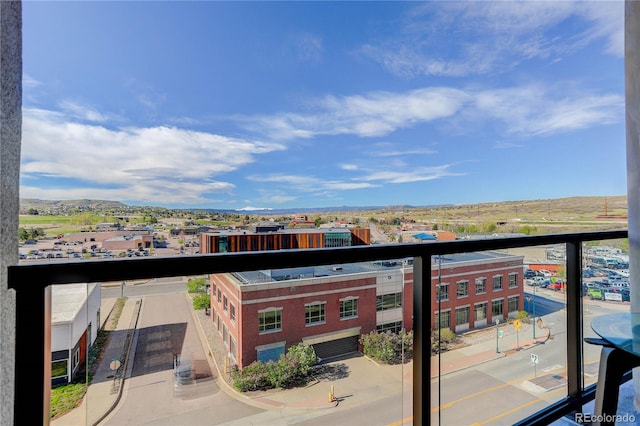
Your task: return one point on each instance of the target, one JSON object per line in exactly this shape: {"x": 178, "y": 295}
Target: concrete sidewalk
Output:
{"x": 481, "y": 352}
{"x": 355, "y": 379}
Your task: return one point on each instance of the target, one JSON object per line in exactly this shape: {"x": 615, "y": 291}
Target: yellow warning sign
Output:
{"x": 517, "y": 324}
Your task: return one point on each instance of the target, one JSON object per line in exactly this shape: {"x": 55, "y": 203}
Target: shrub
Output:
{"x": 201, "y": 301}
{"x": 196, "y": 285}
{"x": 252, "y": 377}
{"x": 446, "y": 337}
{"x": 291, "y": 369}
{"x": 388, "y": 347}
{"x": 522, "y": 316}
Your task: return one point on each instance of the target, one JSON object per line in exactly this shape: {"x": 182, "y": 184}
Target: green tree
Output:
{"x": 196, "y": 285}
{"x": 201, "y": 301}
{"x": 23, "y": 234}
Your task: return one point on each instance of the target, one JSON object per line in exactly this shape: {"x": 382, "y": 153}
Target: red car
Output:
{"x": 558, "y": 285}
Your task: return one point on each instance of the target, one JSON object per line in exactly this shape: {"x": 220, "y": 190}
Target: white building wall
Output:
{"x": 60, "y": 337}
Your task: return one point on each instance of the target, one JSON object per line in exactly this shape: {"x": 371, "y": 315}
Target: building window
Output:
{"x": 462, "y": 289}
{"x": 480, "y": 312}
{"x": 270, "y": 320}
{"x": 513, "y": 280}
{"x": 225, "y": 304}
{"x": 513, "y": 303}
{"x": 462, "y": 315}
{"x": 232, "y": 347}
{"x": 219, "y": 296}
{"x": 214, "y": 289}
{"x": 442, "y": 318}
{"x": 443, "y": 291}
{"x": 314, "y": 313}
{"x": 481, "y": 285}
{"x": 76, "y": 359}
{"x": 225, "y": 335}
{"x": 232, "y": 312}
{"x": 59, "y": 368}
{"x": 388, "y": 301}
{"x": 497, "y": 283}
{"x": 348, "y": 308}
{"x": 393, "y": 327}
{"x": 497, "y": 308}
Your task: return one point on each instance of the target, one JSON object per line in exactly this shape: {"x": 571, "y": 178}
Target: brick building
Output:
{"x": 260, "y": 314}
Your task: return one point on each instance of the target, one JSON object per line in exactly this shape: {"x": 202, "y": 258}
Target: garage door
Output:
{"x": 336, "y": 347}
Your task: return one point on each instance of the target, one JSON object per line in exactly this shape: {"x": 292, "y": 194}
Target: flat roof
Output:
{"x": 284, "y": 231}
{"x": 67, "y": 300}
{"x": 256, "y": 277}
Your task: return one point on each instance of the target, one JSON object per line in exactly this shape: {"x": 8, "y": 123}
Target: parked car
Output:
{"x": 588, "y": 273}
{"x": 529, "y": 273}
{"x": 558, "y": 285}
{"x": 596, "y": 292}
{"x": 544, "y": 283}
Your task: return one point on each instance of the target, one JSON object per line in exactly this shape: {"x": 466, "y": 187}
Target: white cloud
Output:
{"x": 370, "y": 115}
{"x": 457, "y": 39}
{"x": 82, "y": 112}
{"x": 527, "y": 110}
{"x": 280, "y": 199}
{"x": 348, "y": 166}
{"x": 29, "y": 82}
{"x": 416, "y": 174}
{"x": 157, "y": 164}
{"x": 310, "y": 184}
{"x": 538, "y": 110}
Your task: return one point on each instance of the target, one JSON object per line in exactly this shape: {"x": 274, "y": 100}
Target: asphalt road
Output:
{"x": 165, "y": 328}
{"x": 510, "y": 388}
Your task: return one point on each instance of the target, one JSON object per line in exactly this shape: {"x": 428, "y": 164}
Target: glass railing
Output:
{"x": 513, "y": 348}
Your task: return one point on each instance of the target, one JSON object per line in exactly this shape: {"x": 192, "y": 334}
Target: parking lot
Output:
{"x": 58, "y": 250}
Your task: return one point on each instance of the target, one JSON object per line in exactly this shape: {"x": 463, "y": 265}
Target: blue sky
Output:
{"x": 317, "y": 104}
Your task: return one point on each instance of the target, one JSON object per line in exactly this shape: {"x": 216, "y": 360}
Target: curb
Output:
{"x": 133, "y": 326}
{"x": 226, "y": 387}
{"x": 232, "y": 392}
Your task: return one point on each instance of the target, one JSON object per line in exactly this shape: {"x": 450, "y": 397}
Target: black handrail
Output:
{"x": 31, "y": 280}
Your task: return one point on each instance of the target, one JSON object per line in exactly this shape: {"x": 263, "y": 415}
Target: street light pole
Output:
{"x": 534, "y": 312}
{"x": 497, "y": 321}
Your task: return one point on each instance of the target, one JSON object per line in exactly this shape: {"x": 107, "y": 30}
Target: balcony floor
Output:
{"x": 625, "y": 406}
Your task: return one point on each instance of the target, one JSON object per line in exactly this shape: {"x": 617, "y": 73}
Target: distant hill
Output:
{"x": 603, "y": 206}
{"x": 66, "y": 205}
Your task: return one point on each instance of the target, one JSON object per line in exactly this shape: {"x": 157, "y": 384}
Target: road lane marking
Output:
{"x": 401, "y": 422}
{"x": 515, "y": 409}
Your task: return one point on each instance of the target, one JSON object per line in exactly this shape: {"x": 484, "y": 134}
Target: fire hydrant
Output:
{"x": 331, "y": 395}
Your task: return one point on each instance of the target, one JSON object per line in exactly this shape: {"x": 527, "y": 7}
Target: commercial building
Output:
{"x": 260, "y": 314}
{"x": 278, "y": 238}
{"x": 75, "y": 320}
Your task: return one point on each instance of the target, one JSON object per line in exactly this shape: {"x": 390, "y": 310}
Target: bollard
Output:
{"x": 331, "y": 395}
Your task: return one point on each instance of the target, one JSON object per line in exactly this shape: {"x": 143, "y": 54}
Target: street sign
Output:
{"x": 114, "y": 364}
{"x": 534, "y": 358}
{"x": 517, "y": 324}
{"x": 500, "y": 333}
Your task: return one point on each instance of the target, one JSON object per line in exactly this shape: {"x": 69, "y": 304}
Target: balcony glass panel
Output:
{"x": 518, "y": 368}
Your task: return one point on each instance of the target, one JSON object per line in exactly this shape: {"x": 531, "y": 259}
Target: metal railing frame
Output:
{"x": 31, "y": 283}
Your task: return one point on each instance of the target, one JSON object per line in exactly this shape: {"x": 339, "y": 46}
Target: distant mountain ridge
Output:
{"x": 44, "y": 205}
{"x": 61, "y": 206}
